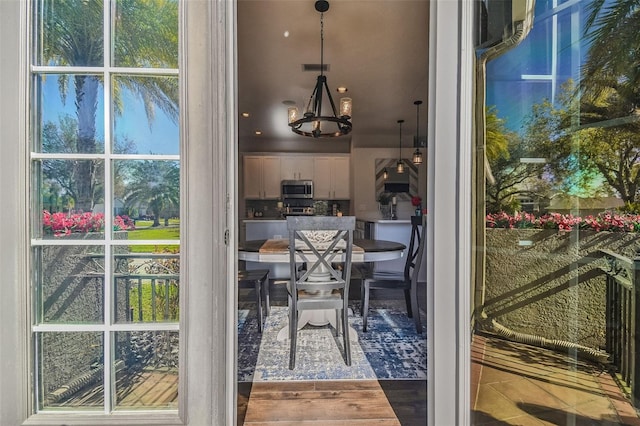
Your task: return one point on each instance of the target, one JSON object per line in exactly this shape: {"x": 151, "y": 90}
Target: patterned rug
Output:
{"x": 391, "y": 349}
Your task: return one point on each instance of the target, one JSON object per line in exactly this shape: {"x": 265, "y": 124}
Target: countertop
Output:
{"x": 377, "y": 219}
{"x": 263, "y": 219}
{"x": 364, "y": 218}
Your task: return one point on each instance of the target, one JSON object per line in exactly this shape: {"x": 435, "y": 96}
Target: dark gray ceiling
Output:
{"x": 378, "y": 49}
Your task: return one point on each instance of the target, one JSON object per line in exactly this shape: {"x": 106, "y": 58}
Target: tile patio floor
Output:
{"x": 518, "y": 384}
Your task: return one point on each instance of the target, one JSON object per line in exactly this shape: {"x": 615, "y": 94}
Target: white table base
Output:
{"x": 316, "y": 318}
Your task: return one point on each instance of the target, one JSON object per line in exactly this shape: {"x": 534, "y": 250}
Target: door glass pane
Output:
{"x": 553, "y": 339}
{"x": 147, "y": 283}
{"x": 148, "y": 191}
{"x": 146, "y": 34}
{"x": 69, "y": 33}
{"x": 70, "y": 375}
{"x": 146, "y": 366}
{"x": 67, "y": 107}
{"x": 105, "y": 170}
{"x": 70, "y": 282}
{"x": 149, "y": 124}
{"x": 71, "y": 197}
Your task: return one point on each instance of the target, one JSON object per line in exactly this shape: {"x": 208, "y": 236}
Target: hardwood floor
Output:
{"x": 385, "y": 402}
{"x": 366, "y": 402}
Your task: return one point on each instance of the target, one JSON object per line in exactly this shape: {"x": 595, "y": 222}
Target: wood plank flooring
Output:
{"x": 366, "y": 402}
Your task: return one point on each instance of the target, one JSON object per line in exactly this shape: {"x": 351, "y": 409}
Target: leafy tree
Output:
{"x": 146, "y": 35}
{"x": 512, "y": 178}
{"x": 155, "y": 184}
{"x": 497, "y": 142}
{"x": 62, "y": 175}
{"x": 584, "y": 148}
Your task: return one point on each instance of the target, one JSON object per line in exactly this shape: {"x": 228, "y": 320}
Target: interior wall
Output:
{"x": 363, "y": 200}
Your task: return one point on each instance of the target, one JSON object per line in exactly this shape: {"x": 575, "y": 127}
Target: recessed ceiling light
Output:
{"x": 342, "y": 89}
{"x": 245, "y": 114}
{"x": 286, "y": 34}
{"x": 258, "y": 132}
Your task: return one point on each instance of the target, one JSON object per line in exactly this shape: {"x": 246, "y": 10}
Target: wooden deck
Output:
{"x": 146, "y": 389}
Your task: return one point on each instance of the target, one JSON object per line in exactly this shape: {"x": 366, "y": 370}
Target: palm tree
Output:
{"x": 155, "y": 184}
{"x": 145, "y": 35}
{"x": 613, "y": 62}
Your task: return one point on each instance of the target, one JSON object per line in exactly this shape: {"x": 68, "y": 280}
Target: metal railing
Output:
{"x": 623, "y": 319}
{"x": 152, "y": 284}
{"x": 159, "y": 279}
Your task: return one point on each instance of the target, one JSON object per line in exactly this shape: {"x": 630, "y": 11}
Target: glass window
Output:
{"x": 105, "y": 198}
{"x": 556, "y": 250}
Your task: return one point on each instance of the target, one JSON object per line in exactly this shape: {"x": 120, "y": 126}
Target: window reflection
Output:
{"x": 559, "y": 197}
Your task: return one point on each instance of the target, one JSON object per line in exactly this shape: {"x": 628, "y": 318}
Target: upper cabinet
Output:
{"x": 264, "y": 173}
{"x": 296, "y": 167}
{"x": 331, "y": 178}
{"x": 262, "y": 177}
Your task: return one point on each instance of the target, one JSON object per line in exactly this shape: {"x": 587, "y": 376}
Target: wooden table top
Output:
{"x": 280, "y": 245}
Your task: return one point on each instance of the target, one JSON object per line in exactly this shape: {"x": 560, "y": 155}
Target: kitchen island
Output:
{"x": 398, "y": 230}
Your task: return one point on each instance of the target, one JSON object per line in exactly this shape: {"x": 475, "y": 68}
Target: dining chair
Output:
{"x": 406, "y": 280}
{"x": 258, "y": 279}
{"x": 320, "y": 250}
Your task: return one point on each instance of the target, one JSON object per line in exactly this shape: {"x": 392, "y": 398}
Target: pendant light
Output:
{"x": 385, "y": 174}
{"x": 400, "y": 164}
{"x": 313, "y": 123}
{"x": 417, "y": 155}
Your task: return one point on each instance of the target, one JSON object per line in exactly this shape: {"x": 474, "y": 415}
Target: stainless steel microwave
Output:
{"x": 297, "y": 189}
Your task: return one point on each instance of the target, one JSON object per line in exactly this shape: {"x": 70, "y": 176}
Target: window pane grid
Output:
{"x": 80, "y": 201}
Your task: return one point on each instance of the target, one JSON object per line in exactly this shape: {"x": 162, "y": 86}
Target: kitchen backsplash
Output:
{"x": 269, "y": 208}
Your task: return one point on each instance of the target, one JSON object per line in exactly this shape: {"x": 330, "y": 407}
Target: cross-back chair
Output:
{"x": 320, "y": 250}
{"x": 406, "y": 280}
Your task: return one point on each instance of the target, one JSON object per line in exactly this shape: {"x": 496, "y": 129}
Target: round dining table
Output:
{"x": 372, "y": 251}
{"x": 277, "y": 251}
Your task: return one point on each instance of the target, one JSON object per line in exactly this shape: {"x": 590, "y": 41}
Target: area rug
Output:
{"x": 391, "y": 349}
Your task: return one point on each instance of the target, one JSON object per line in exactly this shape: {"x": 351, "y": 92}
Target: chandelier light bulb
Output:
{"x": 345, "y": 107}
{"x": 293, "y": 114}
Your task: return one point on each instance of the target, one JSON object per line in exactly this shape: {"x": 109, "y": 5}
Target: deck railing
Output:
{"x": 623, "y": 319}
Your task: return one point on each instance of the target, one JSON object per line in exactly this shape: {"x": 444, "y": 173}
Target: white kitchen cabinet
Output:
{"x": 296, "y": 167}
{"x": 261, "y": 177}
{"x": 331, "y": 178}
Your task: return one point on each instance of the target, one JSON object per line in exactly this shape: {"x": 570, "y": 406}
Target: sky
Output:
{"x": 159, "y": 137}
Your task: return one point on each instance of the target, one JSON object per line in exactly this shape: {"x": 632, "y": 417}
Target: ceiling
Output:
{"x": 377, "y": 49}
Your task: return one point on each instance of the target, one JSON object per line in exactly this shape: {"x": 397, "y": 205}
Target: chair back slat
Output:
{"x": 324, "y": 244}
{"x": 416, "y": 247}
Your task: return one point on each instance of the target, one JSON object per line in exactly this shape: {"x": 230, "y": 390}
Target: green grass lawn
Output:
{"x": 147, "y": 302}
{"x": 144, "y": 231}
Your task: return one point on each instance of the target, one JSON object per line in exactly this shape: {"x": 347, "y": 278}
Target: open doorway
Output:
{"x": 377, "y": 51}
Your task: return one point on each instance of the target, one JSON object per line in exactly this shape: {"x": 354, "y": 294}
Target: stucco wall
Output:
{"x": 70, "y": 290}
{"x": 547, "y": 283}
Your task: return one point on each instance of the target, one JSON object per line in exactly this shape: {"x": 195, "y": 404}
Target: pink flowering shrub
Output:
{"x": 64, "y": 223}
{"x": 606, "y": 221}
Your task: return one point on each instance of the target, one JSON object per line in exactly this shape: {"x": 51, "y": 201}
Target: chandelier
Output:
{"x": 417, "y": 155}
{"x": 313, "y": 123}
